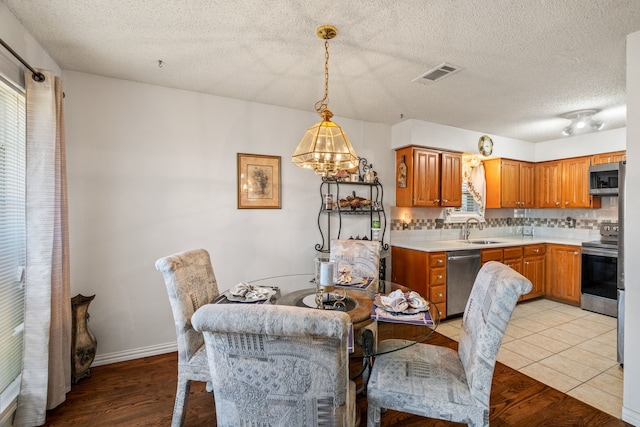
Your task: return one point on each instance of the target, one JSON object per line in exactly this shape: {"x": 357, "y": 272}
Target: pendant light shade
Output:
{"x": 325, "y": 147}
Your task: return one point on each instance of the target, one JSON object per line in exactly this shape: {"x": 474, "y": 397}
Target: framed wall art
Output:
{"x": 258, "y": 181}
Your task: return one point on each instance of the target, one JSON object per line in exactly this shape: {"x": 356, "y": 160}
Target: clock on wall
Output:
{"x": 485, "y": 145}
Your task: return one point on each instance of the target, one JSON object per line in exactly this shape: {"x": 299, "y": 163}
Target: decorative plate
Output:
{"x": 485, "y": 145}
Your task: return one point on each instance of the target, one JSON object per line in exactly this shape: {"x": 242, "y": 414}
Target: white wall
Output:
{"x": 14, "y": 34}
{"x": 416, "y": 132}
{"x": 582, "y": 145}
{"x": 152, "y": 171}
{"x": 631, "y": 398}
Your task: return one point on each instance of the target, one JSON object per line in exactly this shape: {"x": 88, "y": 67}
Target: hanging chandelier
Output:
{"x": 325, "y": 147}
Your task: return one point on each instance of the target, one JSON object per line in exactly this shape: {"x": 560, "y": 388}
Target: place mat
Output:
{"x": 421, "y": 318}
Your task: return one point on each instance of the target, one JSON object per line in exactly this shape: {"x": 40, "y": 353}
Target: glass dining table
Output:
{"x": 395, "y": 331}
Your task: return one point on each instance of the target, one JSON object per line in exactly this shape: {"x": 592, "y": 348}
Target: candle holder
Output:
{"x": 328, "y": 296}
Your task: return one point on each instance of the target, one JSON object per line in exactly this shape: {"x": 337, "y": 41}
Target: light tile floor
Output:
{"x": 565, "y": 347}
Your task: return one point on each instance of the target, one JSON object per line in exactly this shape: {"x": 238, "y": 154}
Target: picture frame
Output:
{"x": 259, "y": 185}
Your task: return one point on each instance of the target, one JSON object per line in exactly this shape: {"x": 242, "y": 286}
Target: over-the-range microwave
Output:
{"x": 603, "y": 179}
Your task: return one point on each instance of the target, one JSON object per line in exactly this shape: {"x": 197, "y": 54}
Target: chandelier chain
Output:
{"x": 322, "y": 105}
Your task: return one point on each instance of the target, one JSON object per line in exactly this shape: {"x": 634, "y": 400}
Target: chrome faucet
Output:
{"x": 465, "y": 227}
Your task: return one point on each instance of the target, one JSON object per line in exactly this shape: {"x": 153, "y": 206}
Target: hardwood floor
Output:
{"x": 141, "y": 393}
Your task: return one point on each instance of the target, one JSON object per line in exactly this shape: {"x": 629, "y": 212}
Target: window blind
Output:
{"x": 469, "y": 204}
{"x": 12, "y": 233}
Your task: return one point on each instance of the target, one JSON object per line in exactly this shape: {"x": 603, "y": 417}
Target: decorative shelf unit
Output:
{"x": 330, "y": 221}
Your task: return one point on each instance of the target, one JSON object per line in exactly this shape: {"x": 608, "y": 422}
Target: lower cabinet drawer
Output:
{"x": 437, "y": 276}
{"x": 438, "y": 294}
{"x": 442, "y": 310}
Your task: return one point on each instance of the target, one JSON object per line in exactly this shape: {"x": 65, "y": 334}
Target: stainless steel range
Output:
{"x": 600, "y": 272}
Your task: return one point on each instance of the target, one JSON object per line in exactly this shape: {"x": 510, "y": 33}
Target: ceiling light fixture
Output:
{"x": 582, "y": 121}
{"x": 325, "y": 147}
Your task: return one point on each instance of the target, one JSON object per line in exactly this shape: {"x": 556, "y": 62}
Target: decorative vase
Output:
{"x": 83, "y": 342}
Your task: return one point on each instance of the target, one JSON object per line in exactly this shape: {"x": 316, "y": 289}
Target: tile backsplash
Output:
{"x": 569, "y": 223}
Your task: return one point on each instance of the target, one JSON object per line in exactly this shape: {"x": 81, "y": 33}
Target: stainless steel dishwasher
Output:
{"x": 462, "y": 268}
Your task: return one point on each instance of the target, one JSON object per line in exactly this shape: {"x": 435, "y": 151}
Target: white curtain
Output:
{"x": 473, "y": 174}
{"x": 46, "y": 371}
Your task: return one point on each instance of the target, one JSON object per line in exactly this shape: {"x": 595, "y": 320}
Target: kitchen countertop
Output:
{"x": 497, "y": 242}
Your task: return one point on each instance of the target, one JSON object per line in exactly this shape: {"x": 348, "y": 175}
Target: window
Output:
{"x": 469, "y": 204}
{"x": 470, "y": 207}
{"x": 12, "y": 239}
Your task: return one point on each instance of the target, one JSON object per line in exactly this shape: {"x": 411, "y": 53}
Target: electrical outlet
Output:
{"x": 439, "y": 223}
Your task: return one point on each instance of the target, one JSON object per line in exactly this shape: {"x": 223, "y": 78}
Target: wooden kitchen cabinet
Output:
{"x": 564, "y": 184}
{"x": 563, "y": 273}
{"x": 527, "y": 260}
{"x": 493, "y": 254}
{"x": 512, "y": 256}
{"x": 510, "y": 183}
{"x": 434, "y": 178}
{"x": 548, "y": 178}
{"x": 451, "y": 180}
{"x": 612, "y": 157}
{"x": 423, "y": 272}
{"x": 438, "y": 281}
{"x": 409, "y": 268}
{"x": 575, "y": 184}
{"x": 533, "y": 268}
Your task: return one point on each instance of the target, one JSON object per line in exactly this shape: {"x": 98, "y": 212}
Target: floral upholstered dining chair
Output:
{"x": 190, "y": 284}
{"x": 438, "y": 382}
{"x": 278, "y": 365}
{"x": 361, "y": 257}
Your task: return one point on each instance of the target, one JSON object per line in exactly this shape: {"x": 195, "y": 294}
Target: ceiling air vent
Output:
{"x": 440, "y": 72}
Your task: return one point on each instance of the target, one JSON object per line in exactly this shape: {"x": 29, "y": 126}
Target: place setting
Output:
{"x": 402, "y": 307}
{"x": 248, "y": 293}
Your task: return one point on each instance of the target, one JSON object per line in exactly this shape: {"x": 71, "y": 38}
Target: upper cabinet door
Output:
{"x": 451, "y": 182}
{"x": 575, "y": 183}
{"x": 615, "y": 156}
{"x": 527, "y": 188}
{"x": 510, "y": 183}
{"x": 548, "y": 184}
{"x": 426, "y": 178}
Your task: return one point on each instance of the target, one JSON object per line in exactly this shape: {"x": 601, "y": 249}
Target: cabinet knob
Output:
{"x": 566, "y": 203}
{"x": 557, "y": 203}
{"x": 436, "y": 200}
{"x": 535, "y": 251}
{"x": 440, "y": 261}
{"x": 576, "y": 253}
{"x": 526, "y": 263}
{"x": 440, "y": 295}
{"x": 439, "y": 276}
{"x": 445, "y": 200}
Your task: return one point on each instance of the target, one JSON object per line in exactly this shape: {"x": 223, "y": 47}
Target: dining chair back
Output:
{"x": 438, "y": 382}
{"x": 278, "y": 365}
{"x": 362, "y": 257}
{"x": 190, "y": 283}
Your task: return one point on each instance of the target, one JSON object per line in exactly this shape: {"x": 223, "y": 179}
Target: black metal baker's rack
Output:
{"x": 374, "y": 210}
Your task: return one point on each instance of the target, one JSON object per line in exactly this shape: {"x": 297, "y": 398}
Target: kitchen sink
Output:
{"x": 480, "y": 242}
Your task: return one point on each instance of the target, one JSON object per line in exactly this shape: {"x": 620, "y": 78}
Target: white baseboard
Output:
{"x": 630, "y": 416}
{"x": 134, "y": 353}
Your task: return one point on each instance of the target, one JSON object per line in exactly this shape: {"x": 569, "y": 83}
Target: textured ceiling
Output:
{"x": 525, "y": 63}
